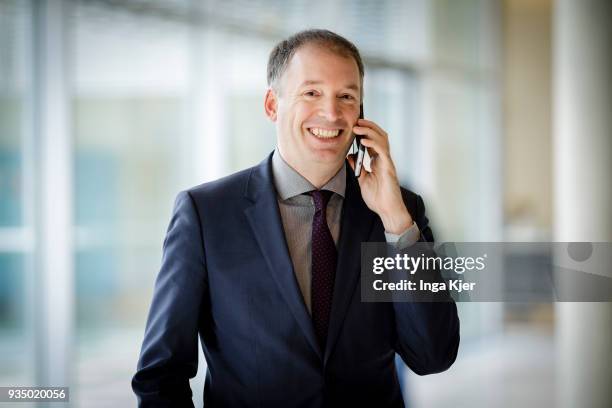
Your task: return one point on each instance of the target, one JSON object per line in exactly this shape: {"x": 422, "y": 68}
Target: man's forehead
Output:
{"x": 310, "y": 66}
{"x": 314, "y": 82}
{"x": 309, "y": 70}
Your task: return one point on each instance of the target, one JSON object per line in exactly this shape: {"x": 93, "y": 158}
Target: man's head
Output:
{"x": 316, "y": 87}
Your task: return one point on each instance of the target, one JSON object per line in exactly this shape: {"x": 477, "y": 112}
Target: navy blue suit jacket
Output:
{"x": 226, "y": 275}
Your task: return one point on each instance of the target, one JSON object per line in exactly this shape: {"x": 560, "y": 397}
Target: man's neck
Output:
{"x": 318, "y": 175}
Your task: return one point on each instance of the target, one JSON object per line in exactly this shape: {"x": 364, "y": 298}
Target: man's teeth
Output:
{"x": 324, "y": 133}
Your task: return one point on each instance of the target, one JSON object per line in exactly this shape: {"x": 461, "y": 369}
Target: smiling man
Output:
{"x": 264, "y": 264}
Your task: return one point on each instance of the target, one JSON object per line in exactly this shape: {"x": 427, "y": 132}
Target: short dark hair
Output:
{"x": 283, "y": 51}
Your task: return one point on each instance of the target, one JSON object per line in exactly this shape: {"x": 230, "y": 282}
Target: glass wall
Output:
{"x": 129, "y": 99}
{"x": 16, "y": 205}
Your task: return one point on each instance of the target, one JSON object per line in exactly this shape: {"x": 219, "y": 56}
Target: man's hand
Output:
{"x": 380, "y": 187}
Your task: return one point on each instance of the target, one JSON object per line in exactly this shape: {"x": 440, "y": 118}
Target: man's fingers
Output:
{"x": 373, "y": 162}
{"x": 370, "y": 133}
{"x": 379, "y": 159}
{"x": 374, "y": 148}
{"x": 369, "y": 123}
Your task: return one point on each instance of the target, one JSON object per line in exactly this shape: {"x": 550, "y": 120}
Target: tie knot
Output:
{"x": 320, "y": 198}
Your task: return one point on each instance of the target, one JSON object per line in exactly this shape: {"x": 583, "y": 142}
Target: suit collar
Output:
{"x": 265, "y": 221}
{"x": 289, "y": 183}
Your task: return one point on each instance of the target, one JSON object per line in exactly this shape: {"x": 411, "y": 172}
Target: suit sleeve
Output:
{"x": 427, "y": 332}
{"x": 169, "y": 354}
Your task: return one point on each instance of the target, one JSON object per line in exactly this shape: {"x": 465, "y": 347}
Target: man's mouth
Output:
{"x": 325, "y": 133}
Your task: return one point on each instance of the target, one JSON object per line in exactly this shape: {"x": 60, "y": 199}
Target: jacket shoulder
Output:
{"x": 413, "y": 202}
{"x": 416, "y": 208}
{"x": 228, "y": 187}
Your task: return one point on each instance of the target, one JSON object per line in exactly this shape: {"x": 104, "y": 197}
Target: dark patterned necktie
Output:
{"x": 324, "y": 257}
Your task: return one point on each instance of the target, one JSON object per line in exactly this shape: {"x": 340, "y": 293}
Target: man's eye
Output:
{"x": 310, "y": 93}
{"x": 347, "y": 96}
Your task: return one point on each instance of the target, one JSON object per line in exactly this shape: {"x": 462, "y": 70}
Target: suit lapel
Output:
{"x": 265, "y": 221}
{"x": 355, "y": 227}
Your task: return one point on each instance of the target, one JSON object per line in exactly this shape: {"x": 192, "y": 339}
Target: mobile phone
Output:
{"x": 360, "y": 148}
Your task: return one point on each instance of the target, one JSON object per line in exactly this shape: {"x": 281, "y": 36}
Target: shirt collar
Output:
{"x": 289, "y": 183}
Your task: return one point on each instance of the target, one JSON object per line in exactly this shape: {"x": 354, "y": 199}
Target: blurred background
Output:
{"x": 498, "y": 109}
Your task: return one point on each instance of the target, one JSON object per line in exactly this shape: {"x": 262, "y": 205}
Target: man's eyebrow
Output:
{"x": 354, "y": 87}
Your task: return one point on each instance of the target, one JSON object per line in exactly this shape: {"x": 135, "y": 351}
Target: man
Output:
{"x": 264, "y": 264}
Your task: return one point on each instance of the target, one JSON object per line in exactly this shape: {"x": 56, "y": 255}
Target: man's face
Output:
{"x": 316, "y": 105}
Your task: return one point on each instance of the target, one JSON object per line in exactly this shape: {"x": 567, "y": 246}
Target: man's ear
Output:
{"x": 271, "y": 104}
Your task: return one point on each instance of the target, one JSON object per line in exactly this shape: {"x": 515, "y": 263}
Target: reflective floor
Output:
{"x": 515, "y": 369}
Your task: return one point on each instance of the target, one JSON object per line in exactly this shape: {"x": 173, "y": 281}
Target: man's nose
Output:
{"x": 330, "y": 109}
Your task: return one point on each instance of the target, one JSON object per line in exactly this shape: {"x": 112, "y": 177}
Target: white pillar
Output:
{"x": 583, "y": 188}
{"x": 54, "y": 271}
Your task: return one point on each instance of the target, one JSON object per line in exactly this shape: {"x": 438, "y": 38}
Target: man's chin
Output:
{"x": 328, "y": 156}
